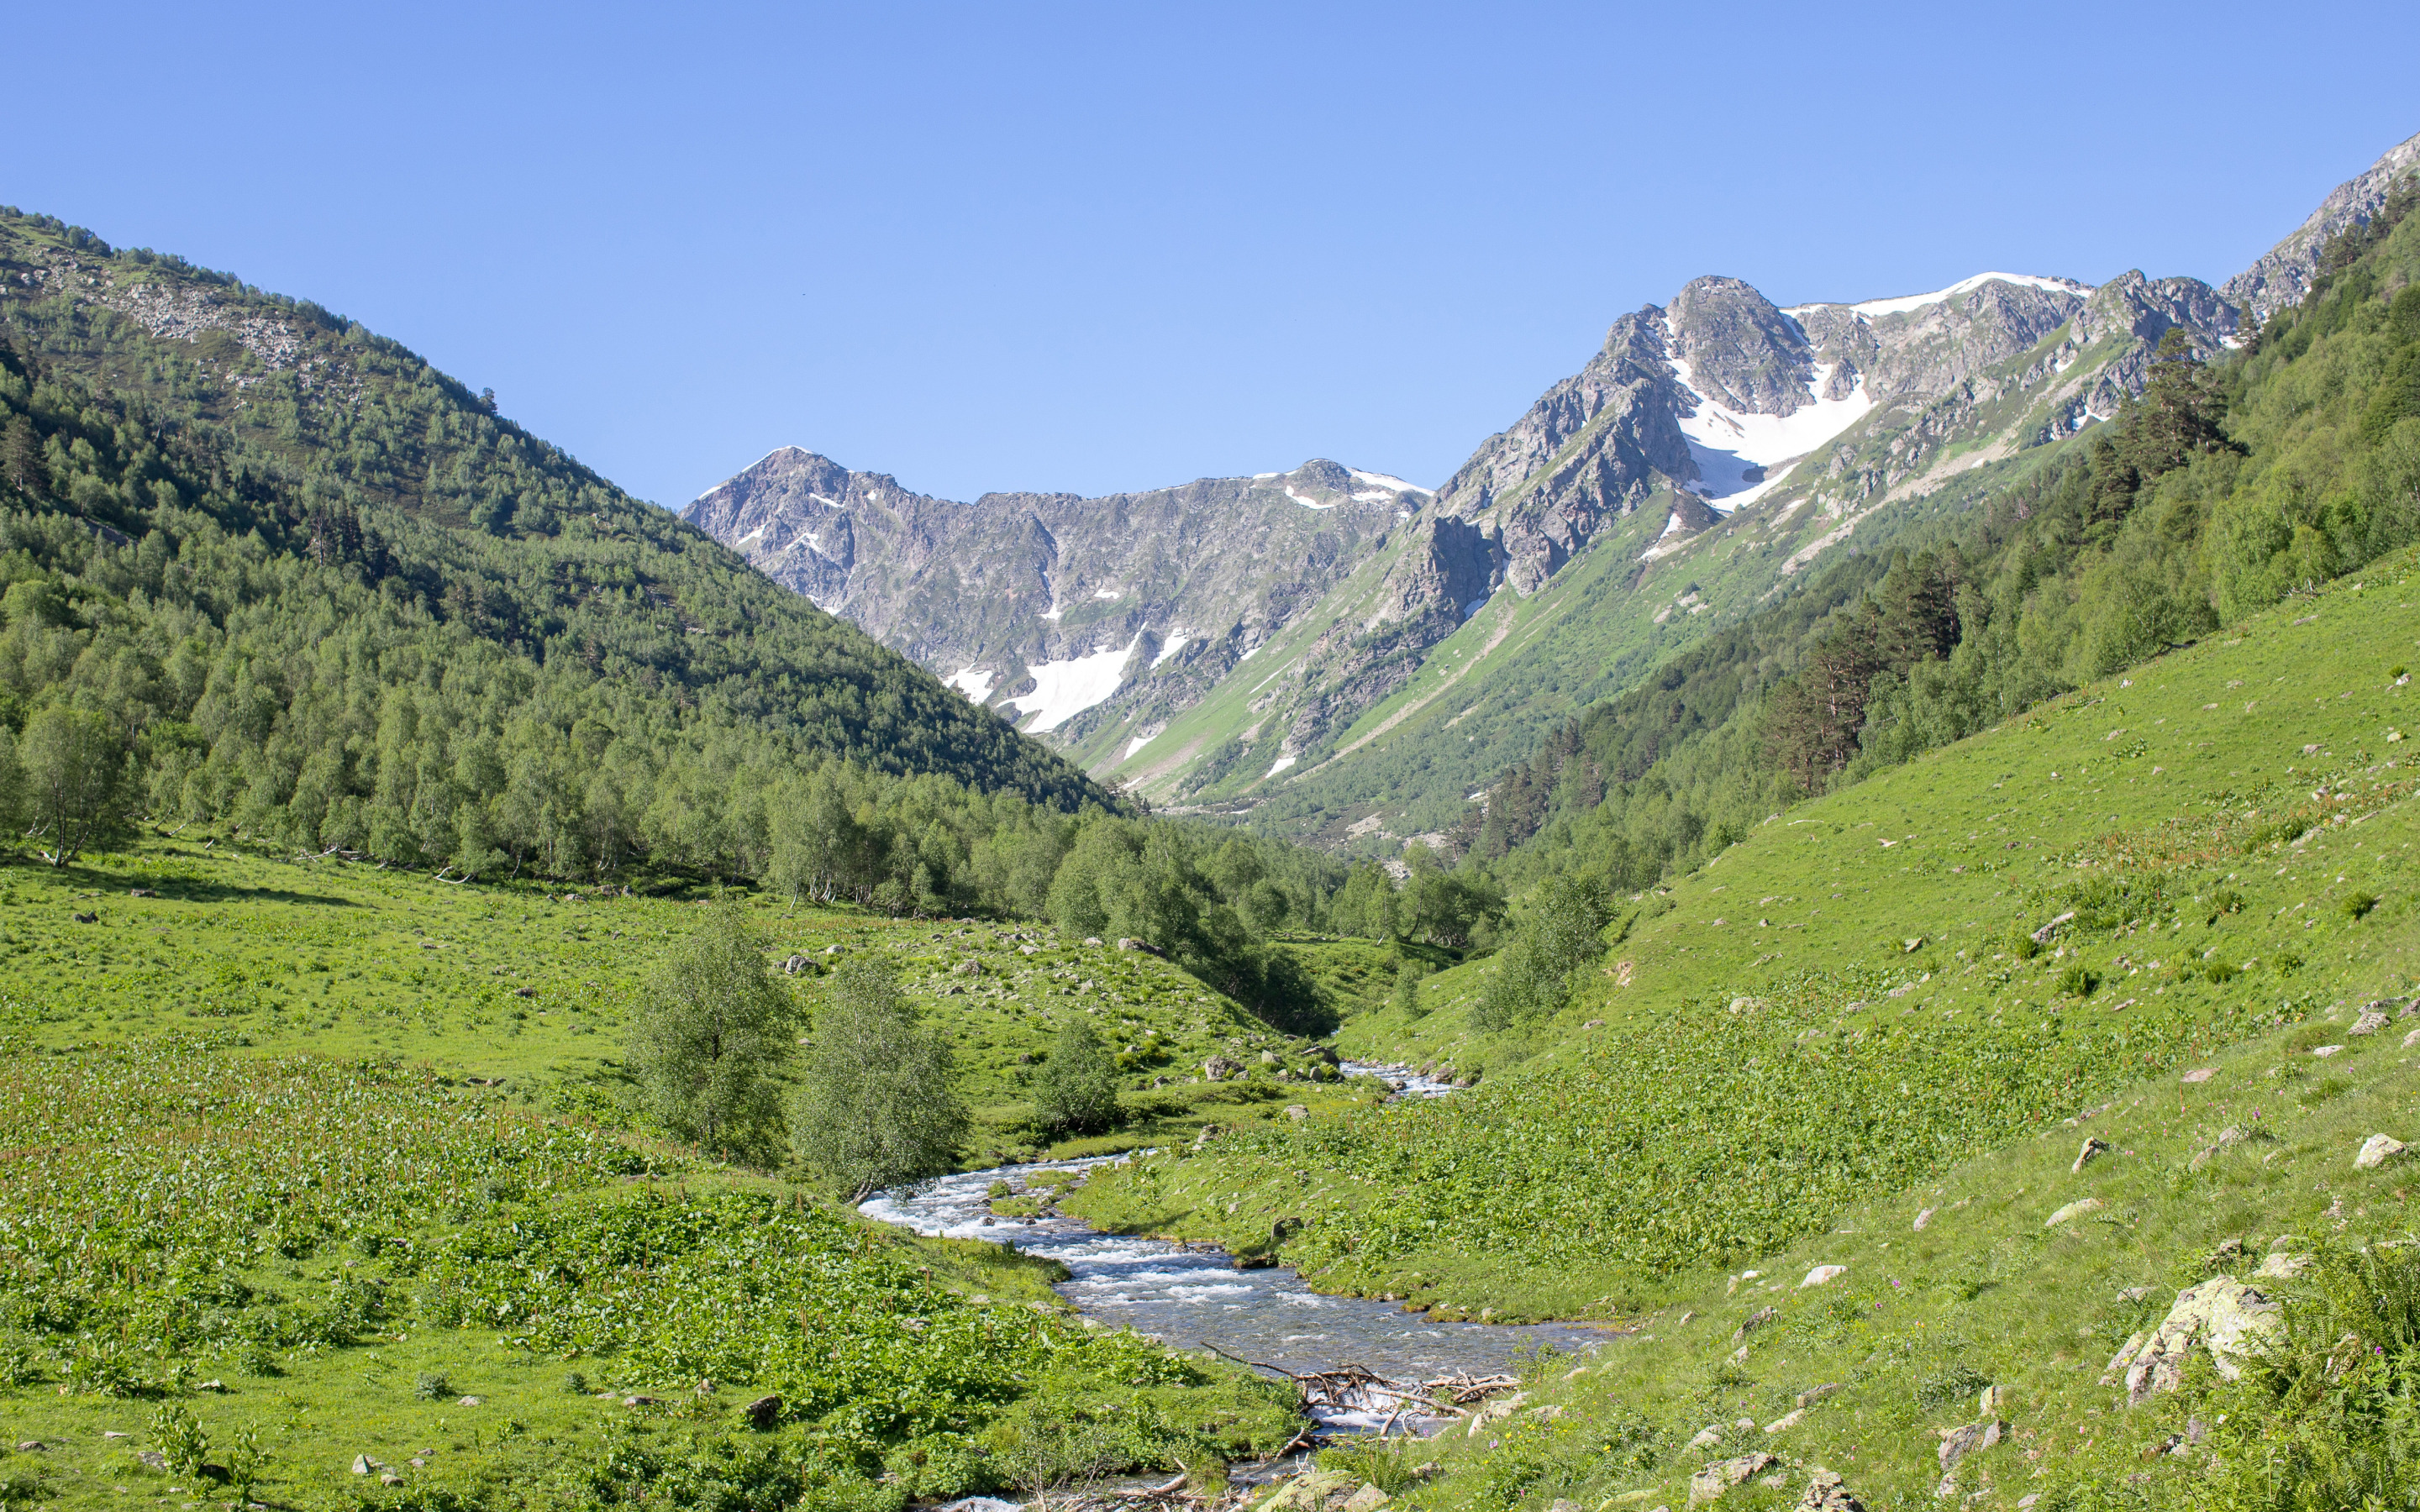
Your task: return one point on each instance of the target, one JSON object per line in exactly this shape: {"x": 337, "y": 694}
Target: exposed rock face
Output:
{"x": 2283, "y": 275}
{"x": 1189, "y": 578}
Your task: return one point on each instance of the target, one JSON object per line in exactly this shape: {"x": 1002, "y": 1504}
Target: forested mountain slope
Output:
{"x": 306, "y": 581}
{"x": 2223, "y": 488}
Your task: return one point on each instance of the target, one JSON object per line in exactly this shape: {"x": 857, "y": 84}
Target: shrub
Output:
{"x": 2219, "y": 973}
{"x": 2359, "y": 905}
{"x": 2077, "y": 981}
{"x": 1407, "y": 988}
{"x": 712, "y": 1028}
{"x": 179, "y": 1440}
{"x": 429, "y": 1386}
{"x": 876, "y": 1108}
{"x": 1078, "y": 1089}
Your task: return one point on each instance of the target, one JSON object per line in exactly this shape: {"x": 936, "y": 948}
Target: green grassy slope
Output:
{"x": 1987, "y": 1293}
{"x": 532, "y": 988}
{"x": 1754, "y": 1027}
{"x": 500, "y": 1309}
{"x": 320, "y": 1149}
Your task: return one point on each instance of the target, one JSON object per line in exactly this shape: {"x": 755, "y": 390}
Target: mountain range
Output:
{"x": 1348, "y": 656}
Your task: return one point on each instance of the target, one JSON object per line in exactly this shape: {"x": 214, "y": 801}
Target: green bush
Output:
{"x": 1078, "y": 1090}
{"x": 2358, "y": 904}
{"x": 2077, "y": 980}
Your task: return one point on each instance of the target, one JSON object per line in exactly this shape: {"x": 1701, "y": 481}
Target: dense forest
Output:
{"x": 266, "y": 572}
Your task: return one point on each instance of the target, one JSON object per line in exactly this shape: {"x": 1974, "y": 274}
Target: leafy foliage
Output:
{"x": 876, "y": 1108}
{"x": 712, "y": 1029}
{"x": 1078, "y": 1089}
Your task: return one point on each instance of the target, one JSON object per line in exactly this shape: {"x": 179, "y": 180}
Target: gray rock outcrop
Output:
{"x": 2283, "y": 274}
{"x": 2226, "y": 1317}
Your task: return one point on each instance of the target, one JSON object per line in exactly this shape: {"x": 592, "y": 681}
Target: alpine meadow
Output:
{"x": 1828, "y": 923}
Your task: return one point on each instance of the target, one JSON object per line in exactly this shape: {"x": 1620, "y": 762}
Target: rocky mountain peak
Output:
{"x": 2283, "y": 274}
{"x": 1737, "y": 350}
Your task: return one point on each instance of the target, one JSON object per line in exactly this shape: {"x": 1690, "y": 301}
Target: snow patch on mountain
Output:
{"x": 974, "y": 684}
{"x": 1873, "y": 308}
{"x": 1741, "y": 456}
{"x": 1137, "y": 743}
{"x": 1386, "y": 481}
{"x": 1306, "y": 504}
{"x": 1170, "y": 646}
{"x": 1064, "y": 689}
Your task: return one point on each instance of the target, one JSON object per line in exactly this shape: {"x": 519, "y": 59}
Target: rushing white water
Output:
{"x": 1191, "y": 1296}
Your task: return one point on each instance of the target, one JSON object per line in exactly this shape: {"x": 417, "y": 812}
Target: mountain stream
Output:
{"x": 1190, "y": 1296}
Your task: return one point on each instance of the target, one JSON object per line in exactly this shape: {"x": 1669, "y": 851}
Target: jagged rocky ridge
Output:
{"x": 1792, "y": 428}
{"x": 2283, "y": 274}
{"x": 1048, "y": 603}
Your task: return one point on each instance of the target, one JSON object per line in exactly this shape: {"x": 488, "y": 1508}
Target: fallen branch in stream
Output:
{"x": 1357, "y": 1388}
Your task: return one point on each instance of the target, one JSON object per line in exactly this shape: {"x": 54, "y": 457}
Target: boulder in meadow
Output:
{"x": 2376, "y": 1150}
{"x": 2222, "y": 1314}
{"x": 1709, "y": 1484}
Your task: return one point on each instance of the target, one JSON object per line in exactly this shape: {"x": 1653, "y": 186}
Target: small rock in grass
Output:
{"x": 1923, "y": 1218}
{"x": 2201, "y": 1074}
{"x": 1706, "y": 1438}
{"x": 2282, "y": 1267}
{"x": 390, "y": 1479}
{"x": 1369, "y": 1499}
{"x": 1816, "y": 1394}
{"x": 33, "y": 1446}
{"x": 763, "y": 1413}
{"x": 364, "y": 1464}
{"x": 1296, "y": 1111}
{"x": 2376, "y": 1150}
{"x": 155, "y": 1459}
{"x": 1822, "y": 1273}
{"x": 1712, "y": 1482}
{"x": 1957, "y": 1444}
{"x": 2412, "y": 1039}
{"x": 1755, "y": 1320}
{"x": 639, "y": 1402}
{"x": 2369, "y": 1023}
{"x": 2323, "y": 1052}
{"x": 1826, "y": 1492}
{"x": 1786, "y": 1420}
{"x": 2084, "y": 1156}
{"x": 112, "y": 1433}
{"x": 468, "y": 1401}
{"x": 2073, "y": 1210}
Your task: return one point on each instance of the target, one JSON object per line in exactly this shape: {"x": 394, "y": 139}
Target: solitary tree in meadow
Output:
{"x": 712, "y": 1029}
{"x": 876, "y": 1108}
{"x": 1078, "y": 1089}
{"x": 73, "y": 766}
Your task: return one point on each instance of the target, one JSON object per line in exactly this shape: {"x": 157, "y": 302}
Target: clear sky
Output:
{"x": 1115, "y": 246}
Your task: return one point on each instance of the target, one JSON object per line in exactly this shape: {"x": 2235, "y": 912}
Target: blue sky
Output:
{"x": 1102, "y": 247}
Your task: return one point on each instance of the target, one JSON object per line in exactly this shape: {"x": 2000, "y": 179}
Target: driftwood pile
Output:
{"x": 1354, "y": 1388}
